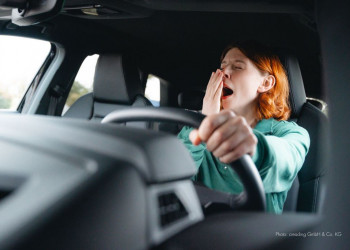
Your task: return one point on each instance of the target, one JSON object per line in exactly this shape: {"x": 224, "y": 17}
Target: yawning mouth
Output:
{"x": 226, "y": 91}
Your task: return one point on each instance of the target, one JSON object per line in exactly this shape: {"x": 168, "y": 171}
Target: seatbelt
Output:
{"x": 28, "y": 99}
{"x": 56, "y": 94}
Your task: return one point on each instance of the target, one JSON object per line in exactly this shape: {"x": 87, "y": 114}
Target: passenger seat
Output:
{"x": 191, "y": 100}
{"x": 117, "y": 85}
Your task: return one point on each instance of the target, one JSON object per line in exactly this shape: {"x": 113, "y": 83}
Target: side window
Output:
{"x": 83, "y": 81}
{"x": 20, "y": 61}
{"x": 152, "y": 91}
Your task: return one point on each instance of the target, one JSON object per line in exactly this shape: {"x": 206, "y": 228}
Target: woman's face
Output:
{"x": 244, "y": 79}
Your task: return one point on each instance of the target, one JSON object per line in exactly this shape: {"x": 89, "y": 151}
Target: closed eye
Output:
{"x": 222, "y": 67}
{"x": 237, "y": 66}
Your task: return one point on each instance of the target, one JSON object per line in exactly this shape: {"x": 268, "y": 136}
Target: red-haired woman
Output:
{"x": 246, "y": 104}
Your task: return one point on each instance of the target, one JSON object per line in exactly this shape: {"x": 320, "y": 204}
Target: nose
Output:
{"x": 227, "y": 72}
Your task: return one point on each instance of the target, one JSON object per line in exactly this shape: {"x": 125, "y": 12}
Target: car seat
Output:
{"x": 117, "y": 85}
{"x": 191, "y": 100}
{"x": 308, "y": 190}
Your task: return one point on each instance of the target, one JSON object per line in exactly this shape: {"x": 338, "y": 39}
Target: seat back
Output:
{"x": 117, "y": 85}
{"x": 308, "y": 190}
{"x": 191, "y": 100}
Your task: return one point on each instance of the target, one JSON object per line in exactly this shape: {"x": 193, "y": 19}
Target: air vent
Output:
{"x": 171, "y": 209}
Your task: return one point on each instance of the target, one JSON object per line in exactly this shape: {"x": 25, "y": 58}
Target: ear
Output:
{"x": 268, "y": 83}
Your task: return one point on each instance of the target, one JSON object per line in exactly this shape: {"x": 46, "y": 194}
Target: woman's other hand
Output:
{"x": 211, "y": 100}
{"x": 227, "y": 136}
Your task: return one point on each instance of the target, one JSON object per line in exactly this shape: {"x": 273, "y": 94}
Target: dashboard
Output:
{"x": 66, "y": 182}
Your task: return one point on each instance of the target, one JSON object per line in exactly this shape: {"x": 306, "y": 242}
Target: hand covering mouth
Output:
{"x": 226, "y": 91}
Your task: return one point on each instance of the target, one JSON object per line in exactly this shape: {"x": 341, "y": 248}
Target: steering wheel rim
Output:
{"x": 253, "y": 196}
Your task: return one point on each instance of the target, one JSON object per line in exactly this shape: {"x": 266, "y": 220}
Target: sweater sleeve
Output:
{"x": 280, "y": 156}
{"x": 197, "y": 152}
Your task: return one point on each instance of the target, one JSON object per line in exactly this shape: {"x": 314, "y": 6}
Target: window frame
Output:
{"x": 37, "y": 76}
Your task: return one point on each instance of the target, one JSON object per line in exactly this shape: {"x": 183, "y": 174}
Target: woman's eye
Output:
{"x": 237, "y": 67}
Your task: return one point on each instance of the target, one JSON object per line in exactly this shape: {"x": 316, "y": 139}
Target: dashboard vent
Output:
{"x": 171, "y": 208}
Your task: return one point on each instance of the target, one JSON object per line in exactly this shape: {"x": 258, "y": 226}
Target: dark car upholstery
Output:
{"x": 308, "y": 190}
{"x": 117, "y": 85}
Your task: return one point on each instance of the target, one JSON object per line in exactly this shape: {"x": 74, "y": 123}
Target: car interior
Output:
{"x": 117, "y": 85}
{"x": 108, "y": 172}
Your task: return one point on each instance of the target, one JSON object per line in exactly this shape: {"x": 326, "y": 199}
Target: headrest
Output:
{"x": 191, "y": 100}
{"x": 297, "y": 96}
{"x": 117, "y": 79}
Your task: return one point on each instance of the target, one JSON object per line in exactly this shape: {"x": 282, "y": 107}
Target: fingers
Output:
{"x": 222, "y": 133}
{"x": 227, "y": 136}
{"x": 238, "y": 152}
{"x": 218, "y": 92}
{"x": 211, "y": 101}
{"x": 194, "y": 137}
{"x": 214, "y": 82}
{"x": 211, "y": 123}
{"x": 242, "y": 137}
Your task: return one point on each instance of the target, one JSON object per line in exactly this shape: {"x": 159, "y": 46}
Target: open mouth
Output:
{"x": 226, "y": 91}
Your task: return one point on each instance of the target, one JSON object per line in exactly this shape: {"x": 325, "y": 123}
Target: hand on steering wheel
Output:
{"x": 226, "y": 135}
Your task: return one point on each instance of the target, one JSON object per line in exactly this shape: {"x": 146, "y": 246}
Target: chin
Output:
{"x": 228, "y": 108}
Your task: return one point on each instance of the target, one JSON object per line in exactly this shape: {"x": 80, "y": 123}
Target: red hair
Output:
{"x": 275, "y": 102}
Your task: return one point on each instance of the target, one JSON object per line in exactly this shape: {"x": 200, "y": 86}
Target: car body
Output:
{"x": 79, "y": 184}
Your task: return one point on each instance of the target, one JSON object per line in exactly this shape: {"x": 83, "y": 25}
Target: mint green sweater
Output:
{"x": 281, "y": 150}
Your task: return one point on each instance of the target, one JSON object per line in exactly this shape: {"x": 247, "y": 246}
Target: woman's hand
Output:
{"x": 227, "y": 136}
{"x": 211, "y": 100}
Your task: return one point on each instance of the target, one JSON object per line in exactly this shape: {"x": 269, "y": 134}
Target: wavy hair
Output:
{"x": 275, "y": 102}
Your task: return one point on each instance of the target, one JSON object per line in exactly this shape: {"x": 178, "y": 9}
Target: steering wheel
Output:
{"x": 253, "y": 196}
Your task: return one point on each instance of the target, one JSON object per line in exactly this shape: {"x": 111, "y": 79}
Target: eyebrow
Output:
{"x": 237, "y": 60}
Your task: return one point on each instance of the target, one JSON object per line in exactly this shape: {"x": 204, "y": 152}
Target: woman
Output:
{"x": 246, "y": 104}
